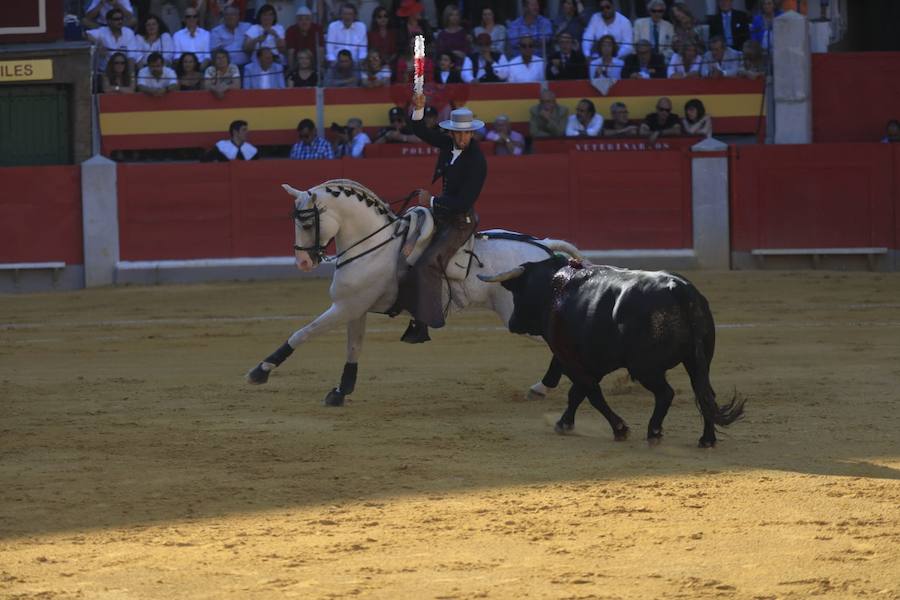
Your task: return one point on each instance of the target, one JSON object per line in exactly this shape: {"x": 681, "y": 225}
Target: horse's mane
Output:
{"x": 351, "y": 188}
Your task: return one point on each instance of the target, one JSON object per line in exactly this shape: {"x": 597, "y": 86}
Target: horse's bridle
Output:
{"x": 317, "y": 250}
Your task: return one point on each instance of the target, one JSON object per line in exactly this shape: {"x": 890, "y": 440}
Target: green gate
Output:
{"x": 35, "y": 125}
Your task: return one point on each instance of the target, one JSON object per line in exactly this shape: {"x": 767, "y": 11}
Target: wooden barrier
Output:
{"x": 813, "y": 196}
{"x": 854, "y": 95}
{"x": 40, "y": 215}
{"x": 174, "y": 211}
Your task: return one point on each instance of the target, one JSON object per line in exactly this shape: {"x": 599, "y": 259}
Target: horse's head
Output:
{"x": 313, "y": 228}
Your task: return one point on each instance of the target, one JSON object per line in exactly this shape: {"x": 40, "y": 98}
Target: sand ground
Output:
{"x": 136, "y": 463}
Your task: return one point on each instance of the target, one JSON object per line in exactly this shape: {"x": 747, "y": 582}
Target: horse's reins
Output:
{"x": 317, "y": 250}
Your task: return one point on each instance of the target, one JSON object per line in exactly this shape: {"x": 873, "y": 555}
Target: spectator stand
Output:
{"x": 736, "y": 105}
{"x": 197, "y": 119}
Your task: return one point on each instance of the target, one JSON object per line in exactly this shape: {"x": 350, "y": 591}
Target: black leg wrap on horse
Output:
{"x": 280, "y": 355}
{"x": 348, "y": 378}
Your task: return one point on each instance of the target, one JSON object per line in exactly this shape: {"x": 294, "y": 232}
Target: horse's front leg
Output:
{"x": 356, "y": 329}
{"x": 332, "y": 317}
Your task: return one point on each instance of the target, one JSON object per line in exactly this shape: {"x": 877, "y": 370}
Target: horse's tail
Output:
{"x": 703, "y": 339}
{"x": 564, "y": 247}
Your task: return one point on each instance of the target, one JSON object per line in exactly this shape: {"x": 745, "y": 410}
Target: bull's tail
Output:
{"x": 563, "y": 246}
{"x": 703, "y": 338}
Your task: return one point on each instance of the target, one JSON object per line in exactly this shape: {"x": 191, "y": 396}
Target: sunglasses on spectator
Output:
{"x": 117, "y": 18}
{"x": 526, "y": 45}
{"x": 658, "y": 11}
{"x": 663, "y": 109}
{"x": 190, "y": 16}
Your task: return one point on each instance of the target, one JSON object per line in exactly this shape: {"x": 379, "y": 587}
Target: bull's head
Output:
{"x": 313, "y": 229}
{"x": 531, "y": 287}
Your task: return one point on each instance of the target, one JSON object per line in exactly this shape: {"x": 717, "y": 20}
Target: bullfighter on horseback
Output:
{"x": 463, "y": 169}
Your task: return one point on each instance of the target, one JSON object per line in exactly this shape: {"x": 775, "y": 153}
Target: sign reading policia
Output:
{"x": 26, "y": 70}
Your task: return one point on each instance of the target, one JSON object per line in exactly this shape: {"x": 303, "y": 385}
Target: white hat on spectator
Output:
{"x": 303, "y": 10}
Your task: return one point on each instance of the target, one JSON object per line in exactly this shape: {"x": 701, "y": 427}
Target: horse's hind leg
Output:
{"x": 330, "y": 318}
{"x": 550, "y": 380}
{"x": 356, "y": 329}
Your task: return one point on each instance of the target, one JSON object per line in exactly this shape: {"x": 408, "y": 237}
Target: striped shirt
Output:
{"x": 317, "y": 149}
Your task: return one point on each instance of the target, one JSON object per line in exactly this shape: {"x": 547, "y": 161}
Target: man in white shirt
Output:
{"x": 346, "y": 34}
{"x": 113, "y": 38}
{"x": 156, "y": 79}
{"x": 507, "y": 142}
{"x": 585, "y": 122}
{"x": 264, "y": 73}
{"x": 608, "y": 21}
{"x": 192, "y": 38}
{"x": 525, "y": 68}
{"x": 720, "y": 60}
{"x": 95, "y": 13}
{"x": 655, "y": 29}
{"x": 229, "y": 35}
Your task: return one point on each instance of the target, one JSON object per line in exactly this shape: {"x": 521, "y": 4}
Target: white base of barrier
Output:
{"x": 213, "y": 269}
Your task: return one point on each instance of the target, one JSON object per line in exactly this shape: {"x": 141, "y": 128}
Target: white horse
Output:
{"x": 372, "y": 249}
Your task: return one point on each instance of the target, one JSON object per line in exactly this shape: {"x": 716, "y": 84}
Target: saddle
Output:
{"x": 418, "y": 233}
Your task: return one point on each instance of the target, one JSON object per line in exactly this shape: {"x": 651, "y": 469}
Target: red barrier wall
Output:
{"x": 820, "y": 195}
{"x": 597, "y": 200}
{"x": 40, "y": 215}
{"x": 854, "y": 95}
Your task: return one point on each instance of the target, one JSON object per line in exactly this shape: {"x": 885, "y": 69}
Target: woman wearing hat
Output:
{"x": 410, "y": 23}
{"x": 463, "y": 169}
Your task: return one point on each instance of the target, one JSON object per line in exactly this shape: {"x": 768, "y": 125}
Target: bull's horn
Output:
{"x": 292, "y": 191}
{"x": 505, "y": 276}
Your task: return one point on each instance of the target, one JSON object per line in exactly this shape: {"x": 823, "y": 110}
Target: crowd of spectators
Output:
{"x": 234, "y": 44}
{"x": 502, "y": 43}
{"x": 548, "y": 120}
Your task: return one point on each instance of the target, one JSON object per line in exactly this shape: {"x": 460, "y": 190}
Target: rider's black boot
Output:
{"x": 416, "y": 333}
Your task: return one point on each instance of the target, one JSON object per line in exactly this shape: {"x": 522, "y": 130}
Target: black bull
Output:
{"x": 597, "y": 319}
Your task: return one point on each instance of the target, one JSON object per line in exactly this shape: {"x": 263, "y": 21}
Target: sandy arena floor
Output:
{"x": 136, "y": 463}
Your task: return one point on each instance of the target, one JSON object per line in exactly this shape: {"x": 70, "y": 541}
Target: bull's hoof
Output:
{"x": 654, "y": 436}
{"x": 705, "y": 443}
{"x": 334, "y": 398}
{"x": 621, "y": 434}
{"x": 257, "y": 375}
{"x": 563, "y": 428}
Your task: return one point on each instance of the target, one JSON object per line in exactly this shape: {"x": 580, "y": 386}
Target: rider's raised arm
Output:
{"x": 417, "y": 123}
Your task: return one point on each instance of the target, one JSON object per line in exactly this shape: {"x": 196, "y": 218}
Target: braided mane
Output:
{"x": 354, "y": 189}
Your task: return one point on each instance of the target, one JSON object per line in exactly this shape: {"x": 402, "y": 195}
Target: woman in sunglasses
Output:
{"x": 117, "y": 78}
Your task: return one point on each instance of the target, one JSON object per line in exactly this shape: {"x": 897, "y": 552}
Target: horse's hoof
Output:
{"x": 534, "y": 395}
{"x": 257, "y": 375}
{"x": 334, "y": 398}
{"x": 621, "y": 434}
{"x": 563, "y": 428}
{"x": 654, "y": 437}
{"x": 704, "y": 443}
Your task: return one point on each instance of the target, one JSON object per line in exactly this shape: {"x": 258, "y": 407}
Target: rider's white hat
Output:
{"x": 462, "y": 119}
